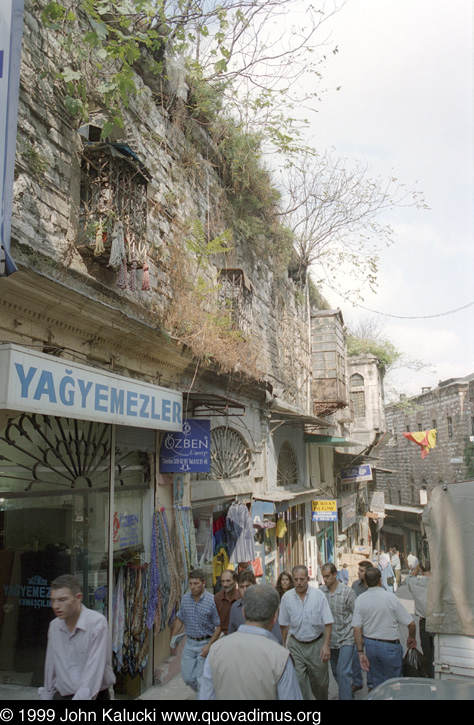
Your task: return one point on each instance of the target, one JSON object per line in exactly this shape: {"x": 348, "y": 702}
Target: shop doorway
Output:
{"x": 54, "y": 519}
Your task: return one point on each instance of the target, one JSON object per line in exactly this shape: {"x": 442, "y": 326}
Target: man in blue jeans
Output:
{"x": 200, "y": 619}
{"x": 341, "y": 600}
{"x": 376, "y": 620}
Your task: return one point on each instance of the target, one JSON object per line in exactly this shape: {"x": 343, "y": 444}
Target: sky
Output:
{"x": 406, "y": 107}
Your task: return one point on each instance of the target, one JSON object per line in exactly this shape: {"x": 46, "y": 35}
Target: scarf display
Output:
{"x": 129, "y": 633}
{"x": 172, "y": 558}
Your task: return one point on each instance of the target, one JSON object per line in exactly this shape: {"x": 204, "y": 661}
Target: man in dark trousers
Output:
{"x": 79, "y": 652}
{"x": 377, "y": 616}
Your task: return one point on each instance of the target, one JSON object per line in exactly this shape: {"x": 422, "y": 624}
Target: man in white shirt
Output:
{"x": 376, "y": 620}
{"x": 306, "y": 626}
{"x": 396, "y": 565}
{"x": 412, "y": 560}
{"x": 79, "y": 651}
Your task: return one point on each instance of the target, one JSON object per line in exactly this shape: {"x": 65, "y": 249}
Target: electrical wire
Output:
{"x": 401, "y": 317}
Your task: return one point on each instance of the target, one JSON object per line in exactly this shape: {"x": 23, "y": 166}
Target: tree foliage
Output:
{"x": 333, "y": 206}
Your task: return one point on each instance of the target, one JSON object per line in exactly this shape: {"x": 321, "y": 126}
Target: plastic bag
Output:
{"x": 415, "y": 664}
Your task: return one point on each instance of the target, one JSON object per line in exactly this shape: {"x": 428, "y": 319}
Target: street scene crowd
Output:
{"x": 258, "y": 642}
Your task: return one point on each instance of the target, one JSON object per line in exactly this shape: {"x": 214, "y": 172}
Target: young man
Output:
{"x": 79, "y": 652}
{"x": 376, "y": 620}
{"x": 341, "y": 600}
{"x": 250, "y": 664}
{"x": 200, "y": 619}
{"x": 306, "y": 622}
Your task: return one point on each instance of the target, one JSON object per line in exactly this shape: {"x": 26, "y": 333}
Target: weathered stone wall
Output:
{"x": 444, "y": 463}
{"x": 185, "y": 186}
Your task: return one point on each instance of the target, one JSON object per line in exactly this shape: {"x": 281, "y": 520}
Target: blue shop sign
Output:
{"x": 356, "y": 473}
{"x": 188, "y": 451}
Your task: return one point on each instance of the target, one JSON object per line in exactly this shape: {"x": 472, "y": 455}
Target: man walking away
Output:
{"x": 79, "y": 652}
{"x": 250, "y": 664}
{"x": 200, "y": 619}
{"x": 418, "y": 588}
{"x": 396, "y": 566}
{"x": 341, "y": 600}
{"x": 306, "y": 625}
{"x": 376, "y": 620}
{"x": 360, "y": 587}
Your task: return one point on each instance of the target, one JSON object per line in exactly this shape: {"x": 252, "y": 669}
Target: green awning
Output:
{"x": 335, "y": 441}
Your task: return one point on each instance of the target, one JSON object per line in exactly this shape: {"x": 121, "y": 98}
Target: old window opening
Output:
{"x": 287, "y": 468}
{"x": 356, "y": 380}
{"x": 113, "y": 198}
{"x": 236, "y": 292}
{"x": 358, "y": 401}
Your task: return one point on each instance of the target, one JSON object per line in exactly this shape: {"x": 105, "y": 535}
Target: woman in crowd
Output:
{"x": 284, "y": 583}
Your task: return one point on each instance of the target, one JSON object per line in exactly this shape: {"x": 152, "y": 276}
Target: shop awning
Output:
{"x": 282, "y": 413}
{"x": 406, "y": 509}
{"x": 282, "y": 500}
{"x": 205, "y": 405}
{"x": 335, "y": 441}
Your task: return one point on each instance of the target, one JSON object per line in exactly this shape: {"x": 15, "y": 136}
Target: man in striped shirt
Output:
{"x": 200, "y": 619}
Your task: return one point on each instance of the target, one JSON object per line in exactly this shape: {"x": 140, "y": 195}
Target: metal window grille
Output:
{"x": 113, "y": 188}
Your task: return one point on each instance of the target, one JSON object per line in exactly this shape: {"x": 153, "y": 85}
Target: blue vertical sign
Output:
{"x": 188, "y": 451}
{"x": 11, "y": 29}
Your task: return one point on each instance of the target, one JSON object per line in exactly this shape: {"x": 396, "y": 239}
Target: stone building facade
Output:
{"x": 449, "y": 408}
{"x": 112, "y": 338}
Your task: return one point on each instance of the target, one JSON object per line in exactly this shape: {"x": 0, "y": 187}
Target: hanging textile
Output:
{"x": 240, "y": 534}
{"x": 135, "y": 641}
{"x": 177, "y": 545}
{"x": 118, "y": 619}
{"x": 165, "y": 576}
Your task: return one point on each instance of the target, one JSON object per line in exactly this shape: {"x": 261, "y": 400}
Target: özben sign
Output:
{"x": 36, "y": 383}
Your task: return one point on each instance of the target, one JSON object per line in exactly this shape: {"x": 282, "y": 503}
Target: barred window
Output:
{"x": 236, "y": 293}
{"x": 113, "y": 197}
{"x": 358, "y": 402}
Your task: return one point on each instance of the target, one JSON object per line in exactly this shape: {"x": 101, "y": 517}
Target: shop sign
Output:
{"x": 34, "y": 594}
{"x": 188, "y": 451}
{"x": 356, "y": 473}
{"x": 126, "y": 530}
{"x": 324, "y": 510}
{"x": 36, "y": 383}
{"x": 349, "y": 512}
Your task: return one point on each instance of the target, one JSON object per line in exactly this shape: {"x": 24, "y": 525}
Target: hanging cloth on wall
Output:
{"x": 240, "y": 533}
{"x": 177, "y": 546}
{"x": 136, "y": 634}
{"x": 166, "y": 577}
{"x": 118, "y": 619}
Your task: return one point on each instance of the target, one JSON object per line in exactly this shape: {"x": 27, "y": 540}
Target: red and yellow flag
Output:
{"x": 426, "y": 439}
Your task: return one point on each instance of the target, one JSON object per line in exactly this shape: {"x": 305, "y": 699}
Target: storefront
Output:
{"x": 78, "y": 471}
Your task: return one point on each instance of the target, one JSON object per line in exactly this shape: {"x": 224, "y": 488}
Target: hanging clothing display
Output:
{"x": 172, "y": 558}
{"x": 129, "y": 633}
{"x": 240, "y": 534}
{"x": 118, "y": 618}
